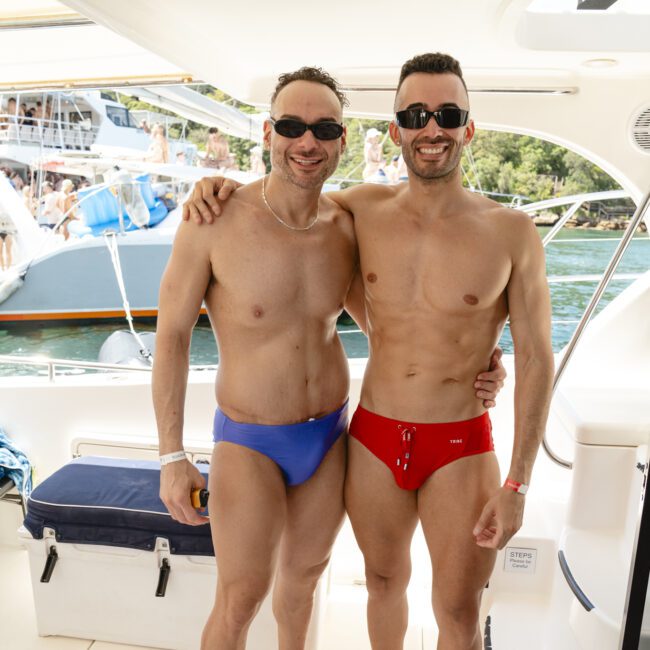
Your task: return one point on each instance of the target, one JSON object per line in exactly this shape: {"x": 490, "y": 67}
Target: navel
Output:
{"x": 470, "y": 299}
{"x": 371, "y": 277}
{"x": 258, "y": 312}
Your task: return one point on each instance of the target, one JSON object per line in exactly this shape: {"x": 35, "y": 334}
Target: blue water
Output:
{"x": 573, "y": 253}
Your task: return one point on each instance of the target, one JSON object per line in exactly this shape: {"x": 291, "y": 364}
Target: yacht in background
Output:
{"x": 90, "y": 121}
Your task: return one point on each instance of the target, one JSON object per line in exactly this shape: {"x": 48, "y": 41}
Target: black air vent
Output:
{"x": 641, "y": 130}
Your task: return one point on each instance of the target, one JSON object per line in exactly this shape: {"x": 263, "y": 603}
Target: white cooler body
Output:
{"x": 108, "y": 593}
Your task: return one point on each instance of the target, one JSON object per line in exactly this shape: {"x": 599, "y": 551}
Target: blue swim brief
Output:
{"x": 298, "y": 449}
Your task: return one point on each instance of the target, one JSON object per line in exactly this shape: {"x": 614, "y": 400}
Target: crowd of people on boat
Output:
{"x": 57, "y": 198}
{"x": 24, "y": 113}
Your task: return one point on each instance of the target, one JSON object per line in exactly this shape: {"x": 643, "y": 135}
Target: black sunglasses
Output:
{"x": 295, "y": 129}
{"x": 449, "y": 117}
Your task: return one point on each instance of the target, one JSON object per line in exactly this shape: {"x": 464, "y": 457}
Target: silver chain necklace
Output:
{"x": 280, "y": 219}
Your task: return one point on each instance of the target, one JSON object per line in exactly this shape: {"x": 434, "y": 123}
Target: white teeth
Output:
{"x": 432, "y": 150}
{"x": 306, "y": 162}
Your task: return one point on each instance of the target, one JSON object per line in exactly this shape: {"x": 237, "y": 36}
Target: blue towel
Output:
{"x": 14, "y": 465}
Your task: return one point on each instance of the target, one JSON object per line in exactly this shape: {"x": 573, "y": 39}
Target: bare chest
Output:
{"x": 284, "y": 277}
{"x": 408, "y": 267}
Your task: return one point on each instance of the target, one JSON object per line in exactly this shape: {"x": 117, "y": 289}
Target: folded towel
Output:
{"x": 15, "y": 465}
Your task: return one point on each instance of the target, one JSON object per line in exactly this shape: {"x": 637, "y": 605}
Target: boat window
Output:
{"x": 120, "y": 116}
{"x": 81, "y": 116}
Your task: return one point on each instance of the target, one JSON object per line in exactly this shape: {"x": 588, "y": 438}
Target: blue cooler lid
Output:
{"x": 111, "y": 501}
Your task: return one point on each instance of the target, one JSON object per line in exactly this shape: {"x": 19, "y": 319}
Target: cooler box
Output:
{"x": 108, "y": 562}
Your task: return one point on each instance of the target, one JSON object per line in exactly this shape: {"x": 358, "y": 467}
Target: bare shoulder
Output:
{"x": 233, "y": 211}
{"x": 514, "y": 222}
{"x": 246, "y": 199}
{"x": 237, "y": 212}
{"x": 516, "y": 230}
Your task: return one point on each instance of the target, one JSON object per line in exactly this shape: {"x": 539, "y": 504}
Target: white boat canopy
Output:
{"x": 541, "y": 67}
{"x": 45, "y": 45}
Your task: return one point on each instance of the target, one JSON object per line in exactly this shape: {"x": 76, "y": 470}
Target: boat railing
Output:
{"x": 47, "y": 133}
{"x": 574, "y": 202}
{"x": 52, "y": 364}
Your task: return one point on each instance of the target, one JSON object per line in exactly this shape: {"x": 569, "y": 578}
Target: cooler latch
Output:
{"x": 164, "y": 567}
{"x": 52, "y": 555}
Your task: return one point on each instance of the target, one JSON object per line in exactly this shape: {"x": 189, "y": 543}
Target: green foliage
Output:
{"x": 521, "y": 165}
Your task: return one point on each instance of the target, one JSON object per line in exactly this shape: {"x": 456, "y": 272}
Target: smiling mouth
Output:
{"x": 431, "y": 149}
{"x": 306, "y": 162}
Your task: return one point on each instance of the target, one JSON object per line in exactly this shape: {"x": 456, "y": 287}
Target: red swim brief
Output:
{"x": 413, "y": 451}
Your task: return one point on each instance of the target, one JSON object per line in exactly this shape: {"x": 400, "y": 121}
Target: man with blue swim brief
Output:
{"x": 274, "y": 274}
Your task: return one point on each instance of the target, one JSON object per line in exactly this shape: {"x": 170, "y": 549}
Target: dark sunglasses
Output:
{"x": 296, "y": 129}
{"x": 446, "y": 118}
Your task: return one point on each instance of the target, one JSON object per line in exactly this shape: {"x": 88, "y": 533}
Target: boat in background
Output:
{"x": 111, "y": 267}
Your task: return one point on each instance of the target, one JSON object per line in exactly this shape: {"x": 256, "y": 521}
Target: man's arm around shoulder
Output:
{"x": 355, "y": 197}
{"x": 182, "y": 289}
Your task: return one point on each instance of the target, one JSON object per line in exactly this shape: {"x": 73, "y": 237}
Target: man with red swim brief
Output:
{"x": 442, "y": 269}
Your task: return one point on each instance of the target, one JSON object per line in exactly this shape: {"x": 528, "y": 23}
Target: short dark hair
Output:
{"x": 213, "y": 129}
{"x": 317, "y": 75}
{"x": 431, "y": 63}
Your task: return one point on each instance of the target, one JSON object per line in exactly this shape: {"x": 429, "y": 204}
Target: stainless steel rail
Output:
{"x": 52, "y": 364}
{"x": 639, "y": 214}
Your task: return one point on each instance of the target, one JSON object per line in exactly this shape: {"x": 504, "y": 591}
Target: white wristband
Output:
{"x": 173, "y": 457}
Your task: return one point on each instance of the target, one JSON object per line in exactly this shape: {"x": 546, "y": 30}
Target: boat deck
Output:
{"x": 518, "y": 610}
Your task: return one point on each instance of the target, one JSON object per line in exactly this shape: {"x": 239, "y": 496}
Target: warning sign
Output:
{"x": 520, "y": 560}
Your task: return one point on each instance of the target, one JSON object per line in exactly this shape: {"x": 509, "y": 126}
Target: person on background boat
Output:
{"x": 67, "y": 196}
{"x": 217, "y": 151}
{"x": 38, "y": 111}
{"x": 27, "y": 115}
{"x": 16, "y": 181}
{"x": 443, "y": 269}
{"x": 274, "y": 274}
{"x": 258, "y": 166}
{"x": 372, "y": 154}
{"x": 29, "y": 200}
{"x": 7, "y": 233}
{"x": 391, "y": 170}
{"x": 51, "y": 212}
{"x": 158, "y": 151}
{"x": 144, "y": 125}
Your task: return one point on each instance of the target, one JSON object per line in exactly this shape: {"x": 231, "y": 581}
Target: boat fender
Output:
{"x": 122, "y": 348}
